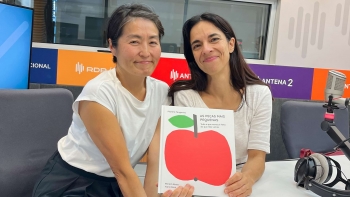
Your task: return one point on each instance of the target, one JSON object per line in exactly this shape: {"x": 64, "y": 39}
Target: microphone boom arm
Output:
{"x": 331, "y": 129}
{"x": 333, "y": 132}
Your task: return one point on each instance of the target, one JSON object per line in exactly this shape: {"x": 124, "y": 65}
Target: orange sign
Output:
{"x": 78, "y": 67}
{"x": 320, "y": 80}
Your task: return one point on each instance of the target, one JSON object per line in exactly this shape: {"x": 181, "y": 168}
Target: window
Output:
{"x": 248, "y": 20}
{"x": 83, "y": 22}
{"x": 79, "y": 22}
{"x": 171, "y": 14}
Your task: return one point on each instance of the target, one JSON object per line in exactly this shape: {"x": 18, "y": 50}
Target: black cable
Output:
{"x": 341, "y": 143}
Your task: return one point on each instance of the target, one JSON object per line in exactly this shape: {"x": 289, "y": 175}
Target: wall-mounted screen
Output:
{"x": 16, "y": 27}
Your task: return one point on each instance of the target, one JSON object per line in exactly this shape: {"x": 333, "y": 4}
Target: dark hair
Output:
{"x": 241, "y": 74}
{"x": 123, "y": 14}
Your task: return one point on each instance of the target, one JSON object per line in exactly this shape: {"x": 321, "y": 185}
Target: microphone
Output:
{"x": 335, "y": 87}
{"x": 314, "y": 171}
{"x": 333, "y": 93}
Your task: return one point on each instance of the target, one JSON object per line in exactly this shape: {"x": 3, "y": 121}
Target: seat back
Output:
{"x": 301, "y": 127}
{"x": 31, "y": 123}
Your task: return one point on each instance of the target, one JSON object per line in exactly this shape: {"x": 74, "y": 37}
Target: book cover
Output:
{"x": 197, "y": 146}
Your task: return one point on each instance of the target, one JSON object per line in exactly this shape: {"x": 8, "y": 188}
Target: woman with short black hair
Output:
{"x": 115, "y": 119}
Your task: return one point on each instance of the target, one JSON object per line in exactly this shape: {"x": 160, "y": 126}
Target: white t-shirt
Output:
{"x": 137, "y": 119}
{"x": 252, "y": 120}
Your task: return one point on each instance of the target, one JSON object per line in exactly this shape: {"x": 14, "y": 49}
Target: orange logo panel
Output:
{"x": 320, "y": 80}
{"x": 78, "y": 67}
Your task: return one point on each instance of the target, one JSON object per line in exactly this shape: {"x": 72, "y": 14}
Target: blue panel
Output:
{"x": 16, "y": 24}
{"x": 43, "y": 68}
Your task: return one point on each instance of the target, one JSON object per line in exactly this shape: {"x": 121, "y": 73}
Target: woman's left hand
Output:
{"x": 239, "y": 185}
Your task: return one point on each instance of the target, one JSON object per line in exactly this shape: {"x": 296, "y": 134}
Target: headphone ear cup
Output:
{"x": 322, "y": 167}
{"x": 300, "y": 170}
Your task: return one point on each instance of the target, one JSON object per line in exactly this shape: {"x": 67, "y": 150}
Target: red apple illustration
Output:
{"x": 204, "y": 156}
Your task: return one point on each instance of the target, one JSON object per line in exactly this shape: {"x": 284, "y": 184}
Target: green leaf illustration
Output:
{"x": 181, "y": 121}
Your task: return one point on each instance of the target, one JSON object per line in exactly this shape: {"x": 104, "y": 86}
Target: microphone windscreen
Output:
{"x": 335, "y": 84}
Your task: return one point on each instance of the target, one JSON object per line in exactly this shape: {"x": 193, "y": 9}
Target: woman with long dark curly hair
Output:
{"x": 221, "y": 79}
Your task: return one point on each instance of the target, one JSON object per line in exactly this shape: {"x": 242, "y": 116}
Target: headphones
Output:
{"x": 313, "y": 171}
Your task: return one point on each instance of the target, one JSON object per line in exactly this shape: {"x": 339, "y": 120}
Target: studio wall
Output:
{"x": 314, "y": 34}
{"x": 76, "y": 68}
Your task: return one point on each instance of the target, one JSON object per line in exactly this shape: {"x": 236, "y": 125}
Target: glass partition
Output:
{"x": 248, "y": 20}
{"x": 83, "y": 22}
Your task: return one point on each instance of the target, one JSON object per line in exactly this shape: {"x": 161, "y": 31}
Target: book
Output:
{"x": 197, "y": 146}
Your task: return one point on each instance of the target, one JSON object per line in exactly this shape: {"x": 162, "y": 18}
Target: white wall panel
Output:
{"x": 314, "y": 33}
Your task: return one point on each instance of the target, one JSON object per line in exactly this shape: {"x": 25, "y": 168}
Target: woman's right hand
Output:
{"x": 186, "y": 191}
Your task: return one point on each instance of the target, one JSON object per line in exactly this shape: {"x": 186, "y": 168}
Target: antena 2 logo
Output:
{"x": 79, "y": 68}
{"x": 175, "y": 75}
